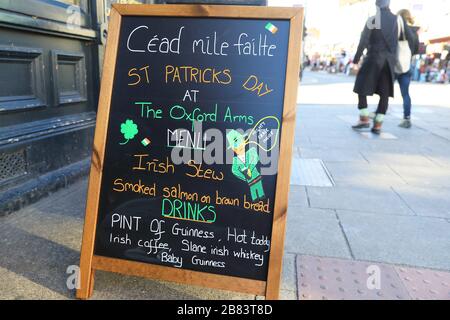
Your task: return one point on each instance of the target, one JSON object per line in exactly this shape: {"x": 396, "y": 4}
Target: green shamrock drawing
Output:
{"x": 129, "y": 129}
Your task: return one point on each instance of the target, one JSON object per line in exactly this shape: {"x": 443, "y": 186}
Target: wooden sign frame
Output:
{"x": 90, "y": 262}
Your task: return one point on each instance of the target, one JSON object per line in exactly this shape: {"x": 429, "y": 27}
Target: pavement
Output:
{"x": 369, "y": 217}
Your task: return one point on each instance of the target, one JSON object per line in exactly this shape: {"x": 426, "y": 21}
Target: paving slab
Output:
{"x": 357, "y": 142}
{"x": 36, "y": 262}
{"x": 288, "y": 295}
{"x": 438, "y": 158}
{"x": 424, "y": 176}
{"x": 435, "y": 128}
{"x": 395, "y": 146}
{"x": 363, "y": 174}
{"x": 315, "y": 232}
{"x": 398, "y": 158}
{"x": 298, "y": 197}
{"x": 332, "y": 155}
{"x": 338, "y": 279}
{"x": 425, "y": 284}
{"x": 288, "y": 280}
{"x": 427, "y": 202}
{"x": 18, "y": 287}
{"x": 310, "y": 172}
{"x": 440, "y": 122}
{"x": 382, "y": 136}
{"x": 406, "y": 240}
{"x": 301, "y": 139}
{"x": 327, "y": 130}
{"x": 375, "y": 199}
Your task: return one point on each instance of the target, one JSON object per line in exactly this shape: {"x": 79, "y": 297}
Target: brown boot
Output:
{"x": 364, "y": 123}
{"x": 377, "y": 127}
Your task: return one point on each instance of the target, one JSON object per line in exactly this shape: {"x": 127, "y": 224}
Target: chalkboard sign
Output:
{"x": 191, "y": 161}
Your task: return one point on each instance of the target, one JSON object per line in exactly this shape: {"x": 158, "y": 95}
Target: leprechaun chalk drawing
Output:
{"x": 244, "y": 164}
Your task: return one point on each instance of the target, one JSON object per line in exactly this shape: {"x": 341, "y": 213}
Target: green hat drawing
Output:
{"x": 235, "y": 139}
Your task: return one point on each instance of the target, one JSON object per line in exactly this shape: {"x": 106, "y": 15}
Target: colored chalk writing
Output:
{"x": 192, "y": 142}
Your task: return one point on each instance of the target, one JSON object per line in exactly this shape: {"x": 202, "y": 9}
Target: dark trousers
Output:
{"x": 383, "y": 90}
{"x": 404, "y": 81}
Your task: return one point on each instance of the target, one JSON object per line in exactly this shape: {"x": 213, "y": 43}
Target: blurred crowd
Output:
{"x": 433, "y": 68}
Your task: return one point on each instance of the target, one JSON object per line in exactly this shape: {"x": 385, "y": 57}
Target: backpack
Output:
{"x": 404, "y": 53}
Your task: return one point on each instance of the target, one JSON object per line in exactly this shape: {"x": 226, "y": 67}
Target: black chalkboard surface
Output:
{"x": 170, "y": 225}
{"x": 187, "y": 159}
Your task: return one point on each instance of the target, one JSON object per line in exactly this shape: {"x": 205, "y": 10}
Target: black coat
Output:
{"x": 381, "y": 45}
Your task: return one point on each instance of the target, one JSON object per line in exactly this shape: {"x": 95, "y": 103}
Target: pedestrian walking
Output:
{"x": 409, "y": 34}
{"x": 376, "y": 75}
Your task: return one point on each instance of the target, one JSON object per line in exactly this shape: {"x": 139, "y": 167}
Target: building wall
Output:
{"x": 49, "y": 82}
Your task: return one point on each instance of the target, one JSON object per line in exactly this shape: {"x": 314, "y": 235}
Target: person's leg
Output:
{"x": 362, "y": 102}
{"x": 364, "y": 121}
{"x": 383, "y": 104}
{"x": 380, "y": 113}
{"x": 405, "y": 81}
{"x": 401, "y": 83}
{"x": 384, "y": 87}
